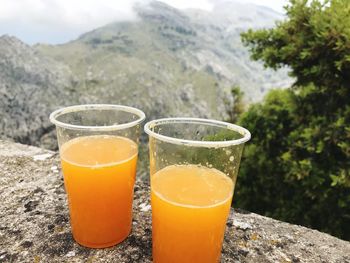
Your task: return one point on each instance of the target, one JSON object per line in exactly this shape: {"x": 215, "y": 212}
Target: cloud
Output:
{"x": 78, "y": 13}
{"x": 183, "y": 4}
{"x": 52, "y": 20}
{"x": 58, "y": 21}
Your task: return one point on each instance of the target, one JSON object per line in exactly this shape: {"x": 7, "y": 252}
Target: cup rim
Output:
{"x": 84, "y": 107}
{"x": 244, "y": 132}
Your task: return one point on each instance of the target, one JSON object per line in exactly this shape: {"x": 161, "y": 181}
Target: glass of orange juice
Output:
{"x": 193, "y": 170}
{"x": 98, "y": 147}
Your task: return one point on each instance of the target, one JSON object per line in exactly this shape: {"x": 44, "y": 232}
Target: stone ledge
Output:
{"x": 34, "y": 223}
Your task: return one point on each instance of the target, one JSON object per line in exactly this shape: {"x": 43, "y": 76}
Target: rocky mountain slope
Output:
{"x": 169, "y": 62}
{"x": 31, "y": 85}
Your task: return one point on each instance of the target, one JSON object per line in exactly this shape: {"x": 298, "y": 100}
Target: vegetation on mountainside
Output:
{"x": 297, "y": 166}
{"x": 238, "y": 104}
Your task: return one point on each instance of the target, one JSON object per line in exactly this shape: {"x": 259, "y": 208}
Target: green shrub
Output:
{"x": 297, "y": 165}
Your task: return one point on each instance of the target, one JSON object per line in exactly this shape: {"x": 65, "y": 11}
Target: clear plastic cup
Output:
{"x": 193, "y": 170}
{"x": 98, "y": 147}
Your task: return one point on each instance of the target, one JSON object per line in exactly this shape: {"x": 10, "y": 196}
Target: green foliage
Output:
{"x": 238, "y": 105}
{"x": 314, "y": 42}
{"x": 297, "y": 166}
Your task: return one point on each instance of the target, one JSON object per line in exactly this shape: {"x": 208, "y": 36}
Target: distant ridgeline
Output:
{"x": 168, "y": 63}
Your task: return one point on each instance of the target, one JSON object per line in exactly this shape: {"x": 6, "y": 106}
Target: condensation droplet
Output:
{"x": 232, "y": 158}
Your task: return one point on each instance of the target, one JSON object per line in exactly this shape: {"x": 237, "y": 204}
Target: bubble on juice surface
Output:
{"x": 232, "y": 158}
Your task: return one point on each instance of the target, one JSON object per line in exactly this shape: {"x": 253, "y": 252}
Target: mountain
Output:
{"x": 168, "y": 62}
{"x": 31, "y": 85}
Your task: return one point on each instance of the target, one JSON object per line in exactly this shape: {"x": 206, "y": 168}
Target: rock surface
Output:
{"x": 34, "y": 222}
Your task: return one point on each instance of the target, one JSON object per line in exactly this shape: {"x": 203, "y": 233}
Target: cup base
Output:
{"x": 103, "y": 245}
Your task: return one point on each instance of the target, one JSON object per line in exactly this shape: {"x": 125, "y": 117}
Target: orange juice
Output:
{"x": 99, "y": 175}
{"x": 190, "y": 206}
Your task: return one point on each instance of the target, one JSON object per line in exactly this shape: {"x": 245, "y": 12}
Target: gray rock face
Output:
{"x": 34, "y": 223}
{"x": 31, "y": 86}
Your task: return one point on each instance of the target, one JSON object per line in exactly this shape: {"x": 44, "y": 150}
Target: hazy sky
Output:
{"x": 58, "y": 21}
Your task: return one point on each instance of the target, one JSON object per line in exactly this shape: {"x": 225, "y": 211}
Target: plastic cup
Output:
{"x": 98, "y": 147}
{"x": 193, "y": 170}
